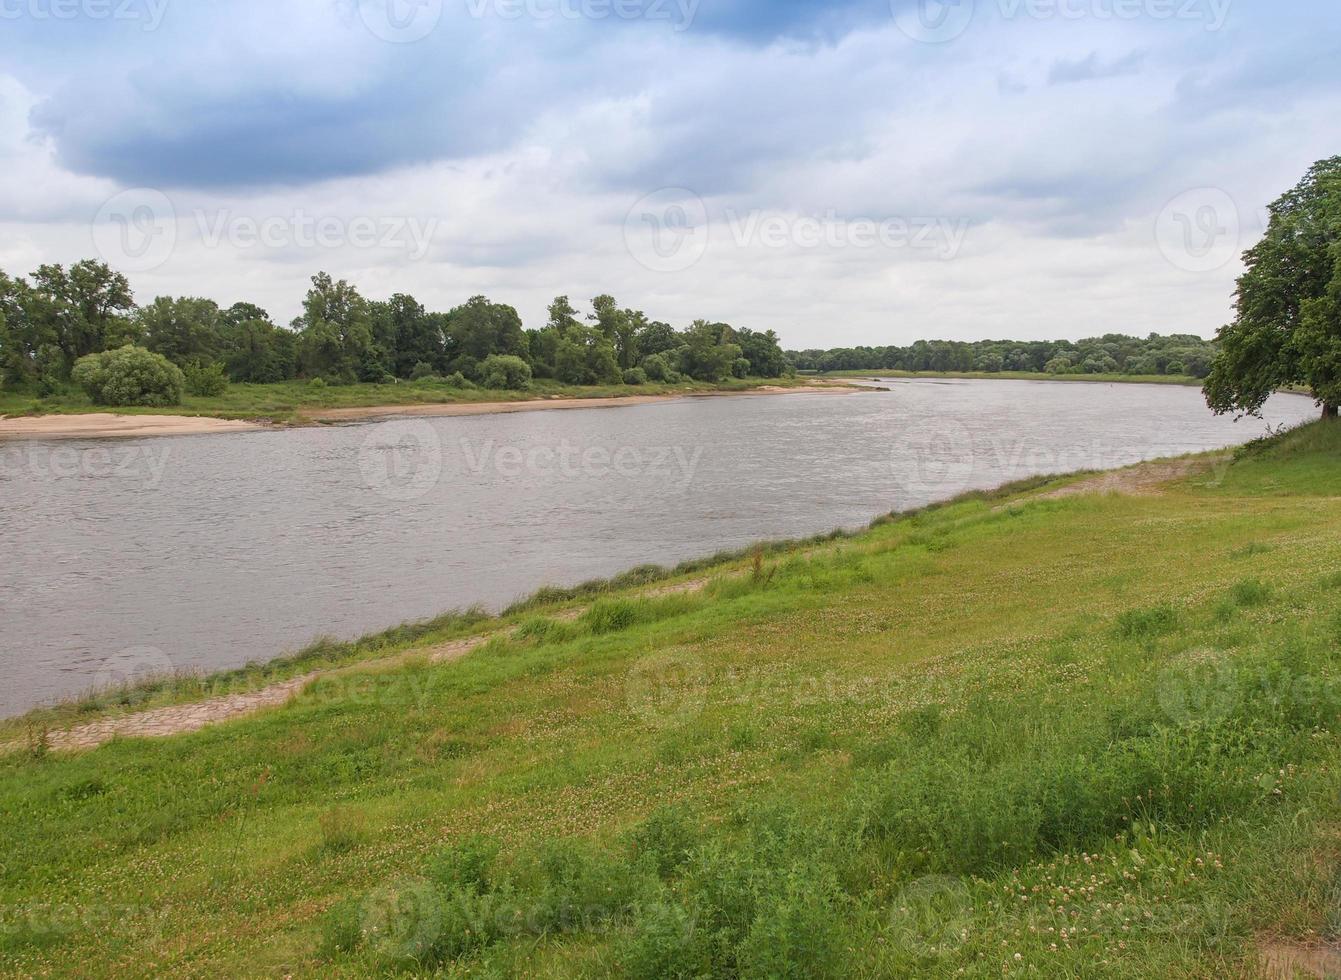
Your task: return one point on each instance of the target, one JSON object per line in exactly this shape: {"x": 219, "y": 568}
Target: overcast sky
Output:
{"x": 863, "y": 172}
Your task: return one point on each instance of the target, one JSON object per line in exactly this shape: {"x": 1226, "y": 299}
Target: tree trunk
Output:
{"x": 1329, "y": 411}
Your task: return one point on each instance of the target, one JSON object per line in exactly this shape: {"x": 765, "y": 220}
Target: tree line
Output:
{"x": 58, "y": 316}
{"x": 1177, "y": 354}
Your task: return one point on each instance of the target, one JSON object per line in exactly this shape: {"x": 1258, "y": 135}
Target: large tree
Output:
{"x": 1287, "y": 330}
{"x": 82, "y": 310}
{"x": 336, "y": 341}
{"x": 182, "y": 329}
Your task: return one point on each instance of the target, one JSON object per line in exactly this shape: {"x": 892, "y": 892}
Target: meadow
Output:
{"x": 1017, "y": 734}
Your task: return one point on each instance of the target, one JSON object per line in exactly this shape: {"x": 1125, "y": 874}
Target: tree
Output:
{"x": 80, "y": 311}
{"x": 1287, "y": 329}
{"x": 18, "y": 340}
{"x": 583, "y": 356}
{"x": 256, "y": 351}
{"x": 479, "y": 328}
{"x": 129, "y": 376}
{"x": 656, "y": 338}
{"x": 336, "y": 341}
{"x": 562, "y": 315}
{"x": 710, "y": 352}
{"x": 620, "y": 327}
{"x": 409, "y": 333}
{"x": 182, "y": 330}
{"x": 763, "y": 352}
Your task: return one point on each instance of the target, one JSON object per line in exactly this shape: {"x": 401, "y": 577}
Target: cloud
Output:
{"x": 526, "y": 140}
{"x": 1092, "y": 67}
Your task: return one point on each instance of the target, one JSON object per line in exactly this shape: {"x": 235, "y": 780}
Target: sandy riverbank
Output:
{"x": 550, "y": 404}
{"x": 105, "y": 425}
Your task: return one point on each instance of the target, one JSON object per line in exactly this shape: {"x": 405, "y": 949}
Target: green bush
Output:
{"x": 664, "y": 840}
{"x": 797, "y": 932}
{"x": 657, "y": 367}
{"x": 317, "y": 383}
{"x": 130, "y": 376}
{"x": 206, "y": 380}
{"x": 506, "y": 372}
{"x": 422, "y": 370}
{"x": 459, "y": 380}
{"x": 635, "y": 376}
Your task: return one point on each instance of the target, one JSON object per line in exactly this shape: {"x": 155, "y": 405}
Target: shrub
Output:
{"x": 427, "y": 381}
{"x": 130, "y": 376}
{"x": 317, "y": 383}
{"x": 505, "y": 371}
{"x": 658, "y": 368}
{"x": 206, "y": 380}
{"x": 465, "y": 865}
{"x": 635, "y": 376}
{"x": 459, "y": 380}
{"x": 740, "y": 368}
{"x": 664, "y": 840}
{"x": 796, "y": 933}
{"x": 422, "y": 370}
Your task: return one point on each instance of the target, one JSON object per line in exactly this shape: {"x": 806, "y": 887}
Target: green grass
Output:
{"x": 290, "y": 400}
{"x": 1090, "y": 736}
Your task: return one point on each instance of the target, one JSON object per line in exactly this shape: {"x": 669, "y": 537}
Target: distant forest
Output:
{"x": 1176, "y": 354}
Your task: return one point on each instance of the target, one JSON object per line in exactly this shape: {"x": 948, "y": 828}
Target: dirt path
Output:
{"x": 1142, "y": 480}
{"x": 183, "y": 718}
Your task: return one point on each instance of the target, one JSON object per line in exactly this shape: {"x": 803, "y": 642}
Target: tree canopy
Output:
{"x": 1287, "y": 327}
{"x": 58, "y": 316}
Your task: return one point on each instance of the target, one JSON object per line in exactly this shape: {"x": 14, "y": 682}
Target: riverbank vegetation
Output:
{"x": 297, "y": 401}
{"x": 1001, "y": 737}
{"x": 59, "y": 318}
{"x": 1113, "y": 355}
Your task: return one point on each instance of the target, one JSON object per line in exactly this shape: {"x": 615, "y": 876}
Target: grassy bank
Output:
{"x": 289, "y": 401}
{"x": 1147, "y": 379}
{"x": 1057, "y": 737}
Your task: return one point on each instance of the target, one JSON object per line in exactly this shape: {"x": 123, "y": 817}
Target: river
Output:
{"x": 205, "y": 552}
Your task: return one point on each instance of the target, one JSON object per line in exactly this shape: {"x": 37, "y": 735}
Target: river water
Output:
{"x": 125, "y": 556}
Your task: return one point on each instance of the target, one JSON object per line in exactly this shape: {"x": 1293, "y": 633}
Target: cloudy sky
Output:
{"x": 868, "y": 171}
